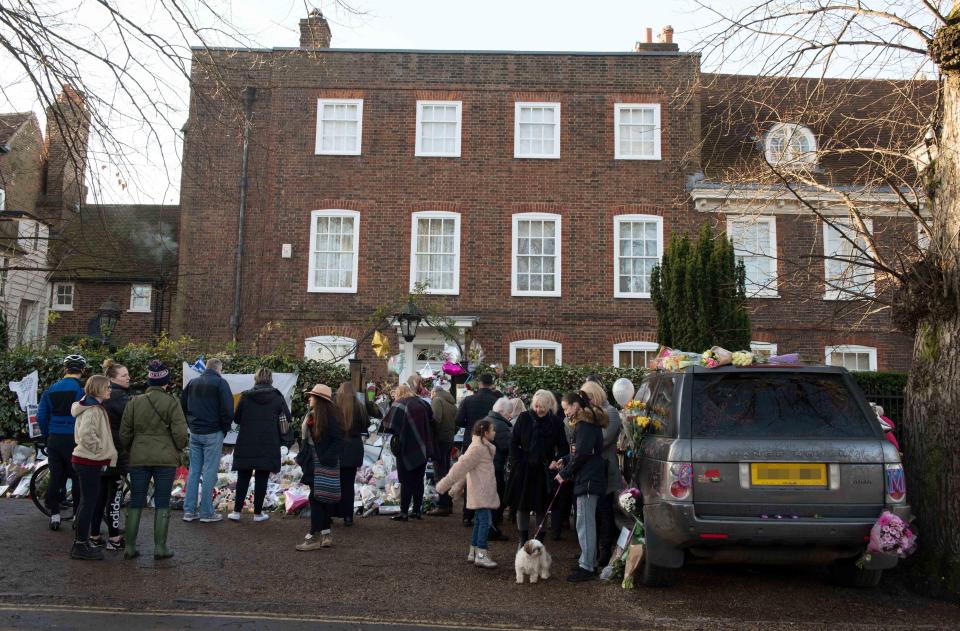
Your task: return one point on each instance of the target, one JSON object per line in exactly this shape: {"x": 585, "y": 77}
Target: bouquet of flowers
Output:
{"x": 891, "y": 535}
{"x": 742, "y": 358}
{"x": 631, "y": 501}
{"x": 634, "y": 407}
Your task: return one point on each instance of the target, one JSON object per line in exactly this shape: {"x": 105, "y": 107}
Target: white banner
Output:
{"x": 285, "y": 382}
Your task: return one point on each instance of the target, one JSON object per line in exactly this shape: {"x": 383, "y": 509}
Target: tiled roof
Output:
{"x": 10, "y": 123}
{"x": 843, "y": 114}
{"x": 119, "y": 242}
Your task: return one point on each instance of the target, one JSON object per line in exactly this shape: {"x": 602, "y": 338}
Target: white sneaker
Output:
{"x": 234, "y": 516}
{"x": 190, "y": 517}
{"x": 483, "y": 560}
{"x": 217, "y": 517}
{"x": 261, "y": 517}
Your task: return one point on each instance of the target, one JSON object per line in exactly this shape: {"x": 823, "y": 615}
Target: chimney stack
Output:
{"x": 664, "y": 41}
{"x": 314, "y": 31}
{"x": 68, "y": 131}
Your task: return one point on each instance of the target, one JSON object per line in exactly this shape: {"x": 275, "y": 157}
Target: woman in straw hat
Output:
{"x": 321, "y": 441}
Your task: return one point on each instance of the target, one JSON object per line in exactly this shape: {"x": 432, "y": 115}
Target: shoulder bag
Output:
{"x": 326, "y": 479}
{"x": 182, "y": 459}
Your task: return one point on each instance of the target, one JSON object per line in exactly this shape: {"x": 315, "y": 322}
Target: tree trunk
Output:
{"x": 931, "y": 431}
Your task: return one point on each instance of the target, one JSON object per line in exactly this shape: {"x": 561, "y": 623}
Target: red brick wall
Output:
{"x": 132, "y": 327}
{"x": 387, "y": 183}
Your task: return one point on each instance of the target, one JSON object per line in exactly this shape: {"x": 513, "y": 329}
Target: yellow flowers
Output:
{"x": 634, "y": 406}
{"x": 742, "y": 358}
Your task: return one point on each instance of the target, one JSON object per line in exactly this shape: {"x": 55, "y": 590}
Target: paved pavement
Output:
{"x": 382, "y": 574}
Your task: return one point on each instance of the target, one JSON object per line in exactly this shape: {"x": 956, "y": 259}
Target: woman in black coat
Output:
{"x": 110, "y": 488}
{"x": 259, "y": 417}
{"x": 321, "y": 442}
{"x": 354, "y": 423}
{"x": 538, "y": 439}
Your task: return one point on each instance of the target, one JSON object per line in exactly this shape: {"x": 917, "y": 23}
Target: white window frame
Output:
{"x": 870, "y": 351}
{"x": 831, "y": 292}
{"x": 557, "y": 347}
{"x": 769, "y": 290}
{"x": 418, "y": 151}
{"x": 311, "y": 267}
{"x": 319, "y": 139}
{"x": 789, "y": 160}
{"x": 3, "y": 199}
{"x": 435, "y": 214}
{"x": 324, "y": 340}
{"x": 657, "y": 129}
{"x": 133, "y": 289}
{"x": 923, "y": 239}
{"x": 517, "y": 106}
{"x": 769, "y": 347}
{"x": 632, "y": 346}
{"x": 54, "y": 305}
{"x": 558, "y": 263}
{"x": 617, "y": 220}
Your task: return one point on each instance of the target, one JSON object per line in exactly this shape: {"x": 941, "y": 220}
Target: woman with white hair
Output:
{"x": 538, "y": 439}
{"x": 499, "y": 415}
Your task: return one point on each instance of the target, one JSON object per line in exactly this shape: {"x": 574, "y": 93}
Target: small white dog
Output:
{"x": 532, "y": 560}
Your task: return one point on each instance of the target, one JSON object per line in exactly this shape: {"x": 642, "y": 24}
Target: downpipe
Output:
{"x": 249, "y": 96}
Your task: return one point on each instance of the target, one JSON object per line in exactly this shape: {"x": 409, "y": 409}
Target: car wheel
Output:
{"x": 847, "y": 573}
{"x": 658, "y": 575}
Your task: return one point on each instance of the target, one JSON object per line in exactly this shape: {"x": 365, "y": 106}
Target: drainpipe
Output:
{"x": 249, "y": 96}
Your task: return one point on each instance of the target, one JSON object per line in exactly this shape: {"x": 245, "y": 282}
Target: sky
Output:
{"x": 150, "y": 172}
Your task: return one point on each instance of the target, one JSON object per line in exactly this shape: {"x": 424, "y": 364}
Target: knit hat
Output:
{"x": 158, "y": 374}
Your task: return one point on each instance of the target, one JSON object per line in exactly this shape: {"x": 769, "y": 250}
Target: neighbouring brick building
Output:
{"x": 534, "y": 191}
{"x": 126, "y": 254}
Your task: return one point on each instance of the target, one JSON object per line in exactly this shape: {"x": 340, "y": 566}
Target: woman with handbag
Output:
{"x": 153, "y": 434}
{"x": 409, "y": 420}
{"x": 111, "y": 490}
{"x": 354, "y": 421}
{"x": 321, "y": 440}
{"x": 263, "y": 420}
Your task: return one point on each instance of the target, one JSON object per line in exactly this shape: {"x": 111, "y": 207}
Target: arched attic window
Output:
{"x": 787, "y": 144}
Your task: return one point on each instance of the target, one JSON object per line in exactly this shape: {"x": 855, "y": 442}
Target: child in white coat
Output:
{"x": 476, "y": 467}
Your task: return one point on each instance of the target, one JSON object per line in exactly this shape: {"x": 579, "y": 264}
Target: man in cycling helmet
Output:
{"x": 56, "y": 425}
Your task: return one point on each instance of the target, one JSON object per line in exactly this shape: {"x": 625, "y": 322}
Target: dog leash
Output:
{"x": 547, "y": 512}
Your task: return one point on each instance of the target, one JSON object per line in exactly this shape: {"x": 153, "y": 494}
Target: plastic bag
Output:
{"x": 296, "y": 498}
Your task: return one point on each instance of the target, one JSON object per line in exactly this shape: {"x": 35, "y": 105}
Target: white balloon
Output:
{"x": 623, "y": 390}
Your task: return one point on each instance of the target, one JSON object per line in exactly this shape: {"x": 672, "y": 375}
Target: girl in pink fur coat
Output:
{"x": 476, "y": 467}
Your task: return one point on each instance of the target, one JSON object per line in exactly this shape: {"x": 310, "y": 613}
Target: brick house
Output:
{"x": 126, "y": 254}
{"x": 534, "y": 191}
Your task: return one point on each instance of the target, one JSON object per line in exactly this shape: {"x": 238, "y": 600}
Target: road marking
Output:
{"x": 279, "y": 617}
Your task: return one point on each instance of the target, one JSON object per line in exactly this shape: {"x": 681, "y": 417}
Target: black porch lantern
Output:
{"x": 108, "y": 315}
{"x": 408, "y": 320}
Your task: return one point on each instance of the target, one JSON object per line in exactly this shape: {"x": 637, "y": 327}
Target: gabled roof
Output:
{"x": 118, "y": 242}
{"x": 11, "y": 123}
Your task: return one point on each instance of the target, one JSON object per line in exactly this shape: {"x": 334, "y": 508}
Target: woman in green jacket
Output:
{"x": 153, "y": 433}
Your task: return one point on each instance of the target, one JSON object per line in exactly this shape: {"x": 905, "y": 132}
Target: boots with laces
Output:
{"x": 472, "y": 555}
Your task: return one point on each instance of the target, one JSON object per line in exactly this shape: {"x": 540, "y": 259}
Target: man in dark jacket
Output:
{"x": 472, "y": 409}
{"x": 444, "y": 429}
{"x": 56, "y": 425}
{"x": 208, "y": 405}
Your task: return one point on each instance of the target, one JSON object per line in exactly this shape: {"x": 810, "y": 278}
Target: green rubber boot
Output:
{"x": 161, "y": 526}
{"x": 130, "y": 533}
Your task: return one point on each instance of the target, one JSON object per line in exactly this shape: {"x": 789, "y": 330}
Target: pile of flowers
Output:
{"x": 891, "y": 535}
{"x": 674, "y": 359}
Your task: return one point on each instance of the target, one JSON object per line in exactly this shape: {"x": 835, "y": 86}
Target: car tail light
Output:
{"x": 679, "y": 480}
{"x": 896, "y": 484}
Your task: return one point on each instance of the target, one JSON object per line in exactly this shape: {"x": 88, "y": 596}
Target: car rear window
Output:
{"x": 774, "y": 405}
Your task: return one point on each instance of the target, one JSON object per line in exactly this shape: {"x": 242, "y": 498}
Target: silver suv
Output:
{"x": 764, "y": 464}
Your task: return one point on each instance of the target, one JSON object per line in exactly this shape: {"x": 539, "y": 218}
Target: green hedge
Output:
{"x": 16, "y": 364}
{"x": 882, "y": 383}
{"x": 525, "y": 380}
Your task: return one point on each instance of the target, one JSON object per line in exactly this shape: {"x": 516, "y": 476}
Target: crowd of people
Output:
{"x": 530, "y": 463}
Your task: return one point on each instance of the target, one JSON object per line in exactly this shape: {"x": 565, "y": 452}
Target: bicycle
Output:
{"x": 41, "y": 479}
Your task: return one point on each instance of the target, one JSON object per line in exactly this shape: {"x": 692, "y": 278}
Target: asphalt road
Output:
{"x": 382, "y": 574}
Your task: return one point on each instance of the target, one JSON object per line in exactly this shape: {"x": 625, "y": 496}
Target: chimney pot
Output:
{"x": 666, "y": 35}
{"x": 315, "y": 31}
{"x": 649, "y": 39}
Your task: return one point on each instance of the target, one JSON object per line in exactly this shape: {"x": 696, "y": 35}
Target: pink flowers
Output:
{"x": 891, "y": 535}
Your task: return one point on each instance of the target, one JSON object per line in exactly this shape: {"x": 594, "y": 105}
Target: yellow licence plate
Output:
{"x": 788, "y": 474}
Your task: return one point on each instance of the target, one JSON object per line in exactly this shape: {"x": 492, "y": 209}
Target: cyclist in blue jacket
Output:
{"x": 56, "y": 425}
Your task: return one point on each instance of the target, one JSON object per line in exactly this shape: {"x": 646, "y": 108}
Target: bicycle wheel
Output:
{"x": 38, "y": 492}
